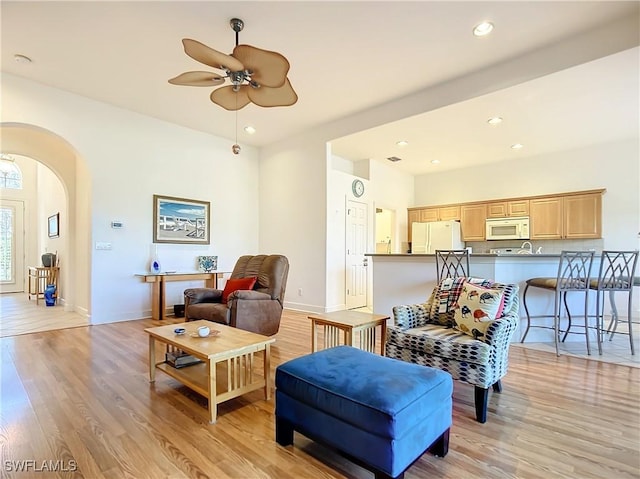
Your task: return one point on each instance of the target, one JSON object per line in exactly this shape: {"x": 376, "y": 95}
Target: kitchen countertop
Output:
{"x": 472, "y": 255}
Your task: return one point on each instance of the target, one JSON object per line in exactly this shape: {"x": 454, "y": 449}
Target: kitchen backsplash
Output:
{"x": 548, "y": 246}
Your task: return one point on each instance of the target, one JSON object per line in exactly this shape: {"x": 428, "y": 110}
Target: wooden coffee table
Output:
{"x": 228, "y": 369}
{"x": 349, "y": 322}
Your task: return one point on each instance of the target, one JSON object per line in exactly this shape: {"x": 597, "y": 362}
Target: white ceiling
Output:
{"x": 346, "y": 57}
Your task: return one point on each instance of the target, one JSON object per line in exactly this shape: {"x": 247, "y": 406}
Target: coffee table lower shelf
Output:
{"x": 195, "y": 377}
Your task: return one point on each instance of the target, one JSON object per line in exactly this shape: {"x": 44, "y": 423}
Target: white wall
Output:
{"x": 614, "y": 166}
{"x": 130, "y": 157}
{"x": 293, "y": 204}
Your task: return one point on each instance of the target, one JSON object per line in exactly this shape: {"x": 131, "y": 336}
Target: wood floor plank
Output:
{"x": 84, "y": 394}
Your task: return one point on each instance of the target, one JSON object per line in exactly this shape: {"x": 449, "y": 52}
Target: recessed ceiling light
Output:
{"x": 495, "y": 120}
{"x": 249, "y": 129}
{"x": 21, "y": 58}
{"x": 402, "y": 143}
{"x": 482, "y": 29}
{"x": 517, "y": 146}
{"x": 435, "y": 162}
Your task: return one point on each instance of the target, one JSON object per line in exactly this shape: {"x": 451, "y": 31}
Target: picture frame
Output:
{"x": 53, "y": 226}
{"x": 180, "y": 220}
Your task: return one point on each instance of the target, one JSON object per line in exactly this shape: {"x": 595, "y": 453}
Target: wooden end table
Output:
{"x": 233, "y": 348}
{"x": 349, "y": 322}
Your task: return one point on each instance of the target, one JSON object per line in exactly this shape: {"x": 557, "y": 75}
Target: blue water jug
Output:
{"x": 50, "y": 295}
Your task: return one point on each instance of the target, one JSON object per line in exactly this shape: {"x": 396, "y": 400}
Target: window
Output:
{"x": 10, "y": 174}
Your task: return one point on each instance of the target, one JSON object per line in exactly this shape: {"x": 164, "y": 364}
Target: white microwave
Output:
{"x": 507, "y": 228}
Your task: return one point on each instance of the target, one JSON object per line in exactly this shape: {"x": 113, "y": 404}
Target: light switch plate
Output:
{"x": 103, "y": 245}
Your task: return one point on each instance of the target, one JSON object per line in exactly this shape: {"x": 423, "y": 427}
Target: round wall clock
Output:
{"x": 358, "y": 188}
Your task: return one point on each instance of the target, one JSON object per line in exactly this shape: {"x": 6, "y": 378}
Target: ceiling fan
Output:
{"x": 257, "y": 76}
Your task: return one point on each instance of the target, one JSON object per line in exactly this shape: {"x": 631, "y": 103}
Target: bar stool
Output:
{"x": 617, "y": 269}
{"x": 451, "y": 263}
{"x": 573, "y": 276}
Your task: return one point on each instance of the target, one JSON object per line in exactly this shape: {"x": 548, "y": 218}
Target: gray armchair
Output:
{"x": 258, "y": 310}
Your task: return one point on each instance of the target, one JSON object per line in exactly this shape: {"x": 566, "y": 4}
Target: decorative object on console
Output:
{"x": 154, "y": 264}
{"x": 206, "y": 264}
{"x": 49, "y": 260}
{"x": 179, "y": 220}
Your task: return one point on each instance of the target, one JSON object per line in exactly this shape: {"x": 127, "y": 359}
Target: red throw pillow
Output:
{"x": 236, "y": 284}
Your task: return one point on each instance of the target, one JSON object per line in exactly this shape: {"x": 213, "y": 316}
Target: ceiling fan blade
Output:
{"x": 197, "y": 79}
{"x": 269, "y": 68}
{"x": 229, "y": 99}
{"x": 202, "y": 53}
{"x": 267, "y": 97}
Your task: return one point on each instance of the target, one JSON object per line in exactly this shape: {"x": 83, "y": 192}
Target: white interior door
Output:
{"x": 11, "y": 246}
{"x": 357, "y": 228}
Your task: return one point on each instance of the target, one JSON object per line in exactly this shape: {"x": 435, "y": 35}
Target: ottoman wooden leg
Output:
{"x": 284, "y": 432}
{"x": 440, "y": 448}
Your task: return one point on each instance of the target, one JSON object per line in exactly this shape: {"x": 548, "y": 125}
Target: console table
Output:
{"x": 158, "y": 306}
{"x": 40, "y": 277}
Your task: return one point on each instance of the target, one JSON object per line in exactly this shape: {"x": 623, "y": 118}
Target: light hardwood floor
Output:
{"x": 19, "y": 315}
{"x": 82, "y": 395}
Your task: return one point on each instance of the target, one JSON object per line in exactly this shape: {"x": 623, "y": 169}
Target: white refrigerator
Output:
{"x": 428, "y": 237}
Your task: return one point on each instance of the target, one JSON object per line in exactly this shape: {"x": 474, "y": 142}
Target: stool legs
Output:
{"x": 566, "y": 308}
{"x": 526, "y": 310}
{"x": 613, "y": 325}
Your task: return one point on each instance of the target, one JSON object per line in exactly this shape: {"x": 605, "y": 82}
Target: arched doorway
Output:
{"x": 64, "y": 161}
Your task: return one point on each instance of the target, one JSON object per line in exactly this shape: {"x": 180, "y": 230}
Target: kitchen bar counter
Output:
{"x": 472, "y": 255}
{"x": 410, "y": 279}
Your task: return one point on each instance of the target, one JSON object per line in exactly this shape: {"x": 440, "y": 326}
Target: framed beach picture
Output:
{"x": 179, "y": 220}
{"x": 53, "y": 225}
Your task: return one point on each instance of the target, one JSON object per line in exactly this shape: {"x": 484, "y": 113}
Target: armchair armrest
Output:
{"x": 411, "y": 316}
{"x": 499, "y": 335}
{"x": 248, "y": 294}
{"x": 202, "y": 295}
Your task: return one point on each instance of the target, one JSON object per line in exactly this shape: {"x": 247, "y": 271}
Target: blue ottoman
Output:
{"x": 382, "y": 413}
